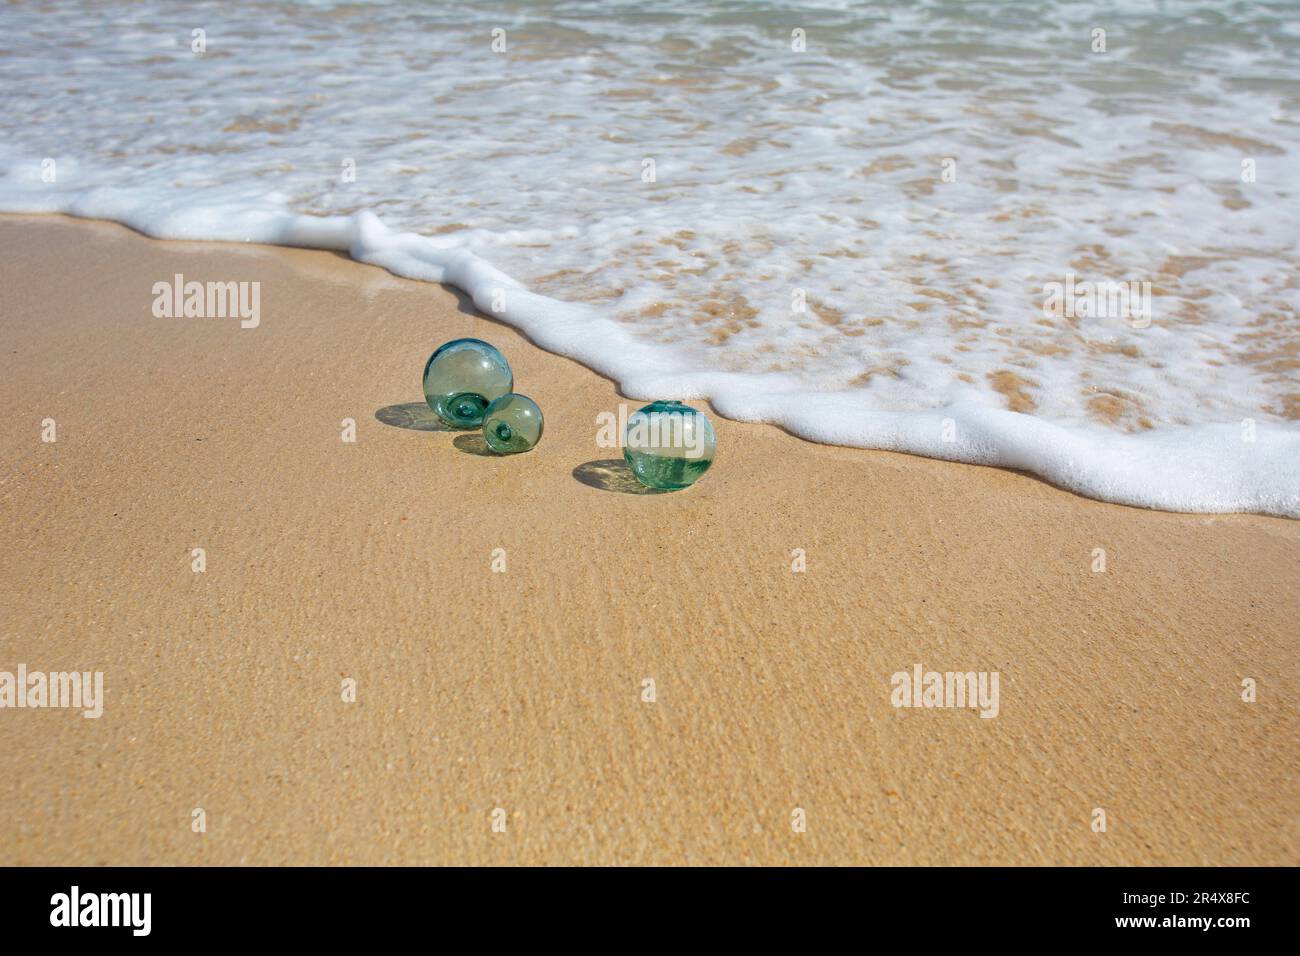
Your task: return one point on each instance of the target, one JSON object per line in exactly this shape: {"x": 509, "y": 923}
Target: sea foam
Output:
{"x": 853, "y": 240}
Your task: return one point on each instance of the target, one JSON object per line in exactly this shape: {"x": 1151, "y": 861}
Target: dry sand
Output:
{"x": 522, "y": 690}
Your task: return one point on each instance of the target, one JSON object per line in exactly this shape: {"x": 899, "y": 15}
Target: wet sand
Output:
{"x": 518, "y": 697}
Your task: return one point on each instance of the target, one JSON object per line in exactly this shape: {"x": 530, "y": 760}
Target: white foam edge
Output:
{"x": 1195, "y": 468}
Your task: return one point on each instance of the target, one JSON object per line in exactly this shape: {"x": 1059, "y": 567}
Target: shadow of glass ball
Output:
{"x": 613, "y": 474}
{"x": 475, "y": 444}
{"x": 416, "y": 416}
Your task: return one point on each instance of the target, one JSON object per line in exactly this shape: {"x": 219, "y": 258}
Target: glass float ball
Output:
{"x": 512, "y": 423}
{"x": 463, "y": 378}
{"x": 668, "y": 445}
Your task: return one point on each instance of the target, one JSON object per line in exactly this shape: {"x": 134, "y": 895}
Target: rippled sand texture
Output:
{"x": 523, "y": 689}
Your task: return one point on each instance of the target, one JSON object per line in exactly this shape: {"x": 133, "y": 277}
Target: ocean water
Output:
{"x": 875, "y": 224}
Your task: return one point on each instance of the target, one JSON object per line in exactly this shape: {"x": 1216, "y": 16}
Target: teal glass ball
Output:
{"x": 511, "y": 424}
{"x": 669, "y": 445}
{"x": 463, "y": 378}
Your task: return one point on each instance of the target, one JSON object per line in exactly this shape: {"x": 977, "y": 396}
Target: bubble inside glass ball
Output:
{"x": 463, "y": 378}
{"x": 668, "y": 445}
{"x": 512, "y": 423}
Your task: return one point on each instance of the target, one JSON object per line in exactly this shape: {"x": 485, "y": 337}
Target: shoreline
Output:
{"x": 1237, "y": 467}
{"x": 523, "y": 690}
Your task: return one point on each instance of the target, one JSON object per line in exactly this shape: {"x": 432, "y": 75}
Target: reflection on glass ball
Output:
{"x": 669, "y": 445}
{"x": 512, "y": 423}
{"x": 463, "y": 378}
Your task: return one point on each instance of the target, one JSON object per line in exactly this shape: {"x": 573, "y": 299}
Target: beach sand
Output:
{"x": 523, "y": 690}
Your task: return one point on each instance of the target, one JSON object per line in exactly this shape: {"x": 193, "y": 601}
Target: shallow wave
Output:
{"x": 851, "y": 240}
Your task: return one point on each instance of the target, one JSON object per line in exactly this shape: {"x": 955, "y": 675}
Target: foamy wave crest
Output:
{"x": 875, "y": 226}
{"x": 1205, "y": 468}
